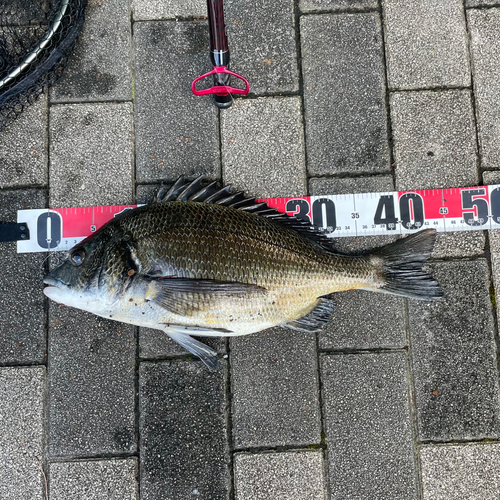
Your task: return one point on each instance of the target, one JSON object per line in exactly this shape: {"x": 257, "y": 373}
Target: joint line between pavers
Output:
{"x": 390, "y": 137}
{"x": 339, "y": 12}
{"x": 432, "y": 89}
{"x": 482, "y": 7}
{"x": 367, "y": 350}
{"x": 479, "y": 160}
{"x": 91, "y": 458}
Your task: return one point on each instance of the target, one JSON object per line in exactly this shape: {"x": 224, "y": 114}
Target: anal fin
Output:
{"x": 316, "y": 319}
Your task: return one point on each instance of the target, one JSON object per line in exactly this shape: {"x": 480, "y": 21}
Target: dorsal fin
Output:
{"x": 183, "y": 190}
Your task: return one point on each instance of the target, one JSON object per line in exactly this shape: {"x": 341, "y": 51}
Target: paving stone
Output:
{"x": 22, "y": 320}
{"x": 336, "y": 5}
{"x": 454, "y": 356}
{"x": 99, "y": 68}
{"x": 158, "y": 9}
{"x": 21, "y": 433}
{"x": 290, "y": 475}
{"x": 368, "y": 426}
{"x": 94, "y": 480}
{"x": 91, "y": 384}
{"x": 434, "y": 139}
{"x": 23, "y": 150}
{"x": 263, "y": 147}
{"x": 183, "y": 447}
{"x": 91, "y": 155}
{"x": 176, "y": 131}
{"x": 459, "y": 244}
{"x": 261, "y": 38}
{"x": 275, "y": 389}
{"x": 426, "y": 44}
{"x": 344, "y": 94}
{"x": 364, "y": 320}
{"x": 435, "y": 147}
{"x": 485, "y": 50}
{"x": 458, "y": 472}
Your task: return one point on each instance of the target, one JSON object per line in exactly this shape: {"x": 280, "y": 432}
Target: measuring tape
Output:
{"x": 337, "y": 216}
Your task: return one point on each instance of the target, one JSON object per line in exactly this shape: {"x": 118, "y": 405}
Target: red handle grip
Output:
{"x": 220, "y": 89}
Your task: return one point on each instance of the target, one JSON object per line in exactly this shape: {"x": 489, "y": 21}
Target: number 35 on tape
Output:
{"x": 367, "y": 214}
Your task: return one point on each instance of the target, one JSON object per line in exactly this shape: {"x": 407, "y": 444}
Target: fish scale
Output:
{"x": 205, "y": 268}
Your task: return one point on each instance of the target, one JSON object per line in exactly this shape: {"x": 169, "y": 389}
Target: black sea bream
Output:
{"x": 200, "y": 261}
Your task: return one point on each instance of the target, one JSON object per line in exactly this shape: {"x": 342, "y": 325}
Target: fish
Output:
{"x": 203, "y": 261}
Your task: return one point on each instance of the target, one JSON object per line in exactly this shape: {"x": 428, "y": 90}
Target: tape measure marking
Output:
{"x": 337, "y": 216}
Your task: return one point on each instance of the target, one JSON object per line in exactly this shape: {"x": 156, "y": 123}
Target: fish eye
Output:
{"x": 77, "y": 257}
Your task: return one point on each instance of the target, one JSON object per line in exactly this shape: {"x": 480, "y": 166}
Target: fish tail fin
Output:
{"x": 402, "y": 267}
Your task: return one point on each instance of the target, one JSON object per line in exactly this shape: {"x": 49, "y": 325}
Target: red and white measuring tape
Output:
{"x": 396, "y": 212}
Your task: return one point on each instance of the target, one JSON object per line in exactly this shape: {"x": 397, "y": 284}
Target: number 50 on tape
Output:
{"x": 365, "y": 214}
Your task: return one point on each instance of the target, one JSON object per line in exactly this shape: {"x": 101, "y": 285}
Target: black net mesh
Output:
{"x": 36, "y": 39}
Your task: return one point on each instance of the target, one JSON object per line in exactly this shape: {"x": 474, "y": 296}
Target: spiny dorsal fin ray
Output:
{"x": 183, "y": 190}
{"x": 191, "y": 189}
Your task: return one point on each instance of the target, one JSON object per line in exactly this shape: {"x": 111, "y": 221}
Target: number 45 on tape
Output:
{"x": 366, "y": 214}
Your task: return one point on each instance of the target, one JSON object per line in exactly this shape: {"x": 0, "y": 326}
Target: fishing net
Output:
{"x": 36, "y": 39}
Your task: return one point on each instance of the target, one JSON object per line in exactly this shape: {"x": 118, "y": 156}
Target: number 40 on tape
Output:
{"x": 364, "y": 214}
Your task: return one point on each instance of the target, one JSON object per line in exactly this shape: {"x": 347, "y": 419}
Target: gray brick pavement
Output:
{"x": 176, "y": 132}
{"x": 262, "y": 416}
{"x": 426, "y": 44}
{"x": 266, "y": 135}
{"x": 158, "y": 9}
{"x": 344, "y": 94}
{"x": 22, "y": 392}
{"x": 23, "y": 148}
{"x": 22, "y": 318}
{"x": 100, "y": 68}
{"x": 435, "y": 147}
{"x": 262, "y": 43}
{"x": 454, "y": 356}
{"x": 336, "y": 5}
{"x": 458, "y": 472}
{"x": 330, "y": 124}
{"x": 290, "y": 475}
{"x": 91, "y": 152}
{"x": 434, "y": 139}
{"x": 91, "y": 384}
{"x": 368, "y": 426}
{"x": 94, "y": 480}
{"x": 184, "y": 453}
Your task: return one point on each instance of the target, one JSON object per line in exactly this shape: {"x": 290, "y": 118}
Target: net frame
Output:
{"x": 36, "y": 41}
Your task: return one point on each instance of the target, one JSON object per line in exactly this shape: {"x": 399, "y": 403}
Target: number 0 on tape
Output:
{"x": 396, "y": 212}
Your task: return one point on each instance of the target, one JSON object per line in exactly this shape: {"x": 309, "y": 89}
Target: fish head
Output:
{"x": 92, "y": 276}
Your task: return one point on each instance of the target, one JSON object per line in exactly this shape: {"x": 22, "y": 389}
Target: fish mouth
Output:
{"x": 48, "y": 280}
{"x": 57, "y": 290}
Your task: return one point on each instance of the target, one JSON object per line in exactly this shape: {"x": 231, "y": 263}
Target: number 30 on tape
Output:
{"x": 366, "y": 214}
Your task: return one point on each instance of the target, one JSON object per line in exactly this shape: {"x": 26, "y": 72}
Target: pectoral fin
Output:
{"x": 316, "y": 319}
{"x": 186, "y": 296}
{"x": 180, "y": 335}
